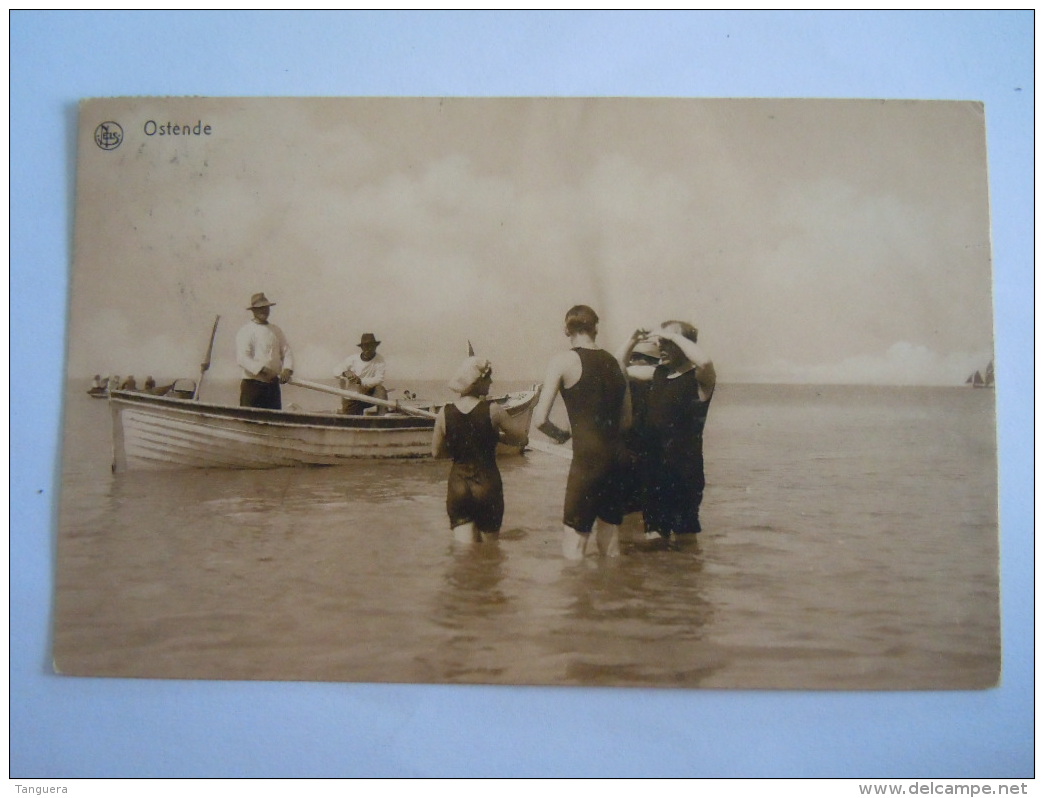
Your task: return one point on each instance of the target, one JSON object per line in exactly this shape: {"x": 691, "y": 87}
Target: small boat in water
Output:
{"x": 181, "y": 389}
{"x": 977, "y": 380}
{"x": 155, "y": 432}
{"x": 99, "y": 387}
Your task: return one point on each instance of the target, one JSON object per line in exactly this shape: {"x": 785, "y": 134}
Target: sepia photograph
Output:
{"x": 580, "y": 392}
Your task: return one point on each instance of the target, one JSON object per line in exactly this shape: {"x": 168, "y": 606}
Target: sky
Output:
{"x": 820, "y": 241}
{"x": 59, "y": 57}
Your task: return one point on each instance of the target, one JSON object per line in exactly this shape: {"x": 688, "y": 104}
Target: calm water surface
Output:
{"x": 850, "y": 542}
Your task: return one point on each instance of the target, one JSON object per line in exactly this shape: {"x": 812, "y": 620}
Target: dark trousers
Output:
{"x": 356, "y": 407}
{"x": 260, "y": 394}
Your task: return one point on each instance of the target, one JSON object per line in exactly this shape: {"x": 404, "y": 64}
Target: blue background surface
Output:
{"x": 66, "y": 727}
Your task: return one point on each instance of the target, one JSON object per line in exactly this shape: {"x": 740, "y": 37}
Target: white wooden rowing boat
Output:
{"x": 154, "y": 432}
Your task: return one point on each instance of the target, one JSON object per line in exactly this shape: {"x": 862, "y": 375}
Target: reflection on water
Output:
{"x": 851, "y": 543}
{"x": 469, "y": 604}
{"x": 640, "y": 620}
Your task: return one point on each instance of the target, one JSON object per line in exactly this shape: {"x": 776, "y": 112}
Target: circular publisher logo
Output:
{"x": 108, "y": 135}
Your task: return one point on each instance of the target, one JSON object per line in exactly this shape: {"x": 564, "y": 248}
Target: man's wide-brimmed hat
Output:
{"x": 368, "y": 338}
{"x": 259, "y": 301}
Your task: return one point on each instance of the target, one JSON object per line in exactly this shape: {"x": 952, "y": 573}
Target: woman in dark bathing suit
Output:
{"x": 468, "y": 431}
{"x": 679, "y": 396}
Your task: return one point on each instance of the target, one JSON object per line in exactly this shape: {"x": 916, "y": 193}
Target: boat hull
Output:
{"x": 162, "y": 432}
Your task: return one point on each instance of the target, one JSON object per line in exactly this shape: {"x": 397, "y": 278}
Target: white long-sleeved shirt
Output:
{"x": 260, "y": 345}
{"x": 370, "y": 372}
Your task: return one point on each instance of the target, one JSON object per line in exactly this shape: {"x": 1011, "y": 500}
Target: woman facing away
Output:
{"x": 468, "y": 431}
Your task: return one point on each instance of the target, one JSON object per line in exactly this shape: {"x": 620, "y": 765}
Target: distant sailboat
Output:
{"x": 977, "y": 380}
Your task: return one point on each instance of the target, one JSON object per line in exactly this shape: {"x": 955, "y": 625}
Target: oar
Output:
{"x": 537, "y": 446}
{"x": 206, "y": 360}
{"x": 318, "y": 386}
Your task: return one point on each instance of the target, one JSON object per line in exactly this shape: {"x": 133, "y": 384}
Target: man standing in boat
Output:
{"x": 264, "y": 355}
{"x": 363, "y": 373}
{"x": 594, "y": 390}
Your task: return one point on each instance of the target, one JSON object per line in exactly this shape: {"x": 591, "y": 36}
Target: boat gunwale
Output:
{"x": 297, "y": 418}
{"x": 260, "y": 415}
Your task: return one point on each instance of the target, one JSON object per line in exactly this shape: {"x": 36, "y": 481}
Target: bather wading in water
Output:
{"x": 468, "y": 430}
{"x": 594, "y": 390}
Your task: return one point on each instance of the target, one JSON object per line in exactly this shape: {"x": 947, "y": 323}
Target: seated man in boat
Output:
{"x": 363, "y": 373}
{"x": 264, "y": 355}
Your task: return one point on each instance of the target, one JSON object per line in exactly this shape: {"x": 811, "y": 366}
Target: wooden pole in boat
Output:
{"x": 537, "y": 446}
{"x": 206, "y": 360}
{"x": 318, "y": 386}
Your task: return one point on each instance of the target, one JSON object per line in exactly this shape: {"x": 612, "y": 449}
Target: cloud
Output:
{"x": 432, "y": 224}
{"x": 131, "y": 350}
{"x": 902, "y": 364}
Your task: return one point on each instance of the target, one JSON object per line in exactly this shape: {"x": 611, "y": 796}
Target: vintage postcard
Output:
{"x": 531, "y": 391}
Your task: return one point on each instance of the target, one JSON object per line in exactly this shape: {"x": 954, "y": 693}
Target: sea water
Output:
{"x": 850, "y": 542}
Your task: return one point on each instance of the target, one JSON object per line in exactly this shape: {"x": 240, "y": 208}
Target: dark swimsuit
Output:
{"x": 675, "y": 419}
{"x": 595, "y": 487}
{"x": 636, "y": 441}
{"x": 474, "y": 492}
